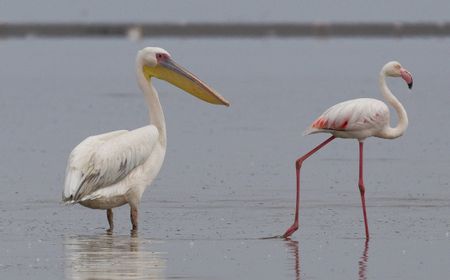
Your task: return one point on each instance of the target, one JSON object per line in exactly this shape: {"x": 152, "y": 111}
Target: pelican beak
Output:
{"x": 406, "y": 75}
{"x": 168, "y": 70}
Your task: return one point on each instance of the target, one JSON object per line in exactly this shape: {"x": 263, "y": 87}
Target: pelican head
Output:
{"x": 395, "y": 69}
{"x": 158, "y": 63}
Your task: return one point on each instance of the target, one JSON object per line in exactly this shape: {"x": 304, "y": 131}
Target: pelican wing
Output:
{"x": 352, "y": 115}
{"x": 102, "y": 160}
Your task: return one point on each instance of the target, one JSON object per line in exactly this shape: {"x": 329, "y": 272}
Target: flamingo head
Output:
{"x": 395, "y": 69}
{"x": 158, "y": 63}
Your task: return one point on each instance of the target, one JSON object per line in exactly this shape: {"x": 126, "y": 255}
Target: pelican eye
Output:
{"x": 161, "y": 56}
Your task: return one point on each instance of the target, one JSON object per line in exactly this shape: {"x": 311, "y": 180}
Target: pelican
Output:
{"x": 112, "y": 169}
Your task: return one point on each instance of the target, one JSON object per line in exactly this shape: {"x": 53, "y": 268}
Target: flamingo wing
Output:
{"x": 102, "y": 160}
{"x": 352, "y": 115}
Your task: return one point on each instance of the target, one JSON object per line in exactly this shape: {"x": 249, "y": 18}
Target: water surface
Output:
{"x": 228, "y": 179}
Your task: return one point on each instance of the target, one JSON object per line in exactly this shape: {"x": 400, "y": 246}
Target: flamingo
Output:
{"x": 358, "y": 119}
{"x": 112, "y": 169}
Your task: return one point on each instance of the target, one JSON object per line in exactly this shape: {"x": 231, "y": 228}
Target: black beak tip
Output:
{"x": 410, "y": 85}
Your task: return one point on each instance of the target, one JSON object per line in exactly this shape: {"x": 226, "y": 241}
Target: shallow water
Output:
{"x": 228, "y": 179}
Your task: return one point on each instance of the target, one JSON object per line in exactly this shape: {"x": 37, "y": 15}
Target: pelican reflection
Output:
{"x": 112, "y": 257}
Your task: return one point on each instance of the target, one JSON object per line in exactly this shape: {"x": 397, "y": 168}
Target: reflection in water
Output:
{"x": 362, "y": 263}
{"x": 112, "y": 257}
{"x": 293, "y": 249}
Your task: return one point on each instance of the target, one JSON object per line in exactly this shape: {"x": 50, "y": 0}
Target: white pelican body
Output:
{"x": 358, "y": 119}
{"x": 112, "y": 169}
{"x": 135, "y": 155}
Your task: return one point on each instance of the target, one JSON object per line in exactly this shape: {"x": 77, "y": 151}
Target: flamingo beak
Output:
{"x": 168, "y": 70}
{"x": 406, "y": 75}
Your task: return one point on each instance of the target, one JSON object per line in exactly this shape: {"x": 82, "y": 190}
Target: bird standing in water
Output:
{"x": 358, "y": 119}
{"x": 112, "y": 169}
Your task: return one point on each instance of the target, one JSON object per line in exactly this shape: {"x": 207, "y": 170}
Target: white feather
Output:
{"x": 361, "y": 117}
{"x": 102, "y": 160}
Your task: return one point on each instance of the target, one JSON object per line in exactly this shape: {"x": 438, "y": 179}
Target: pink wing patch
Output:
{"x": 320, "y": 123}
{"x": 323, "y": 123}
{"x": 352, "y": 115}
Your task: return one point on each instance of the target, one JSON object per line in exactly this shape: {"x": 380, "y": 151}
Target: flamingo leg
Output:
{"x": 109, "y": 215}
{"x": 362, "y": 189}
{"x": 298, "y": 165}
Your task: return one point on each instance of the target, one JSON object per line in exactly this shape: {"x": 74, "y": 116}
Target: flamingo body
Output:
{"x": 357, "y": 118}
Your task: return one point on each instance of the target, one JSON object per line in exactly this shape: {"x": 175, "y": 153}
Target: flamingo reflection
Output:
{"x": 362, "y": 263}
{"x": 293, "y": 249}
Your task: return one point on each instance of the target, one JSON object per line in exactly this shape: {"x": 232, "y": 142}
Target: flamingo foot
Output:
{"x": 291, "y": 230}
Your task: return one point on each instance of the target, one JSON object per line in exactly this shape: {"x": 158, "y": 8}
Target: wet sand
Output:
{"x": 228, "y": 179}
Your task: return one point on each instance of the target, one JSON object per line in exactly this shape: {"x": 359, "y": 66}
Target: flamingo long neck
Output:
{"x": 156, "y": 114}
{"x": 393, "y": 132}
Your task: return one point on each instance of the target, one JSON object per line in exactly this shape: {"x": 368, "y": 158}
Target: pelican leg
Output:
{"x": 109, "y": 215}
{"x": 134, "y": 218}
{"x": 362, "y": 189}
{"x": 298, "y": 165}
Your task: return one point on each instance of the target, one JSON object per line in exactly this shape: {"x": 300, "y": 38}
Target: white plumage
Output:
{"x": 356, "y": 118}
{"x": 115, "y": 168}
{"x": 365, "y": 117}
{"x": 103, "y": 160}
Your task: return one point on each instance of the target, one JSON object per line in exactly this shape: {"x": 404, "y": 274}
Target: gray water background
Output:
{"x": 228, "y": 178}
